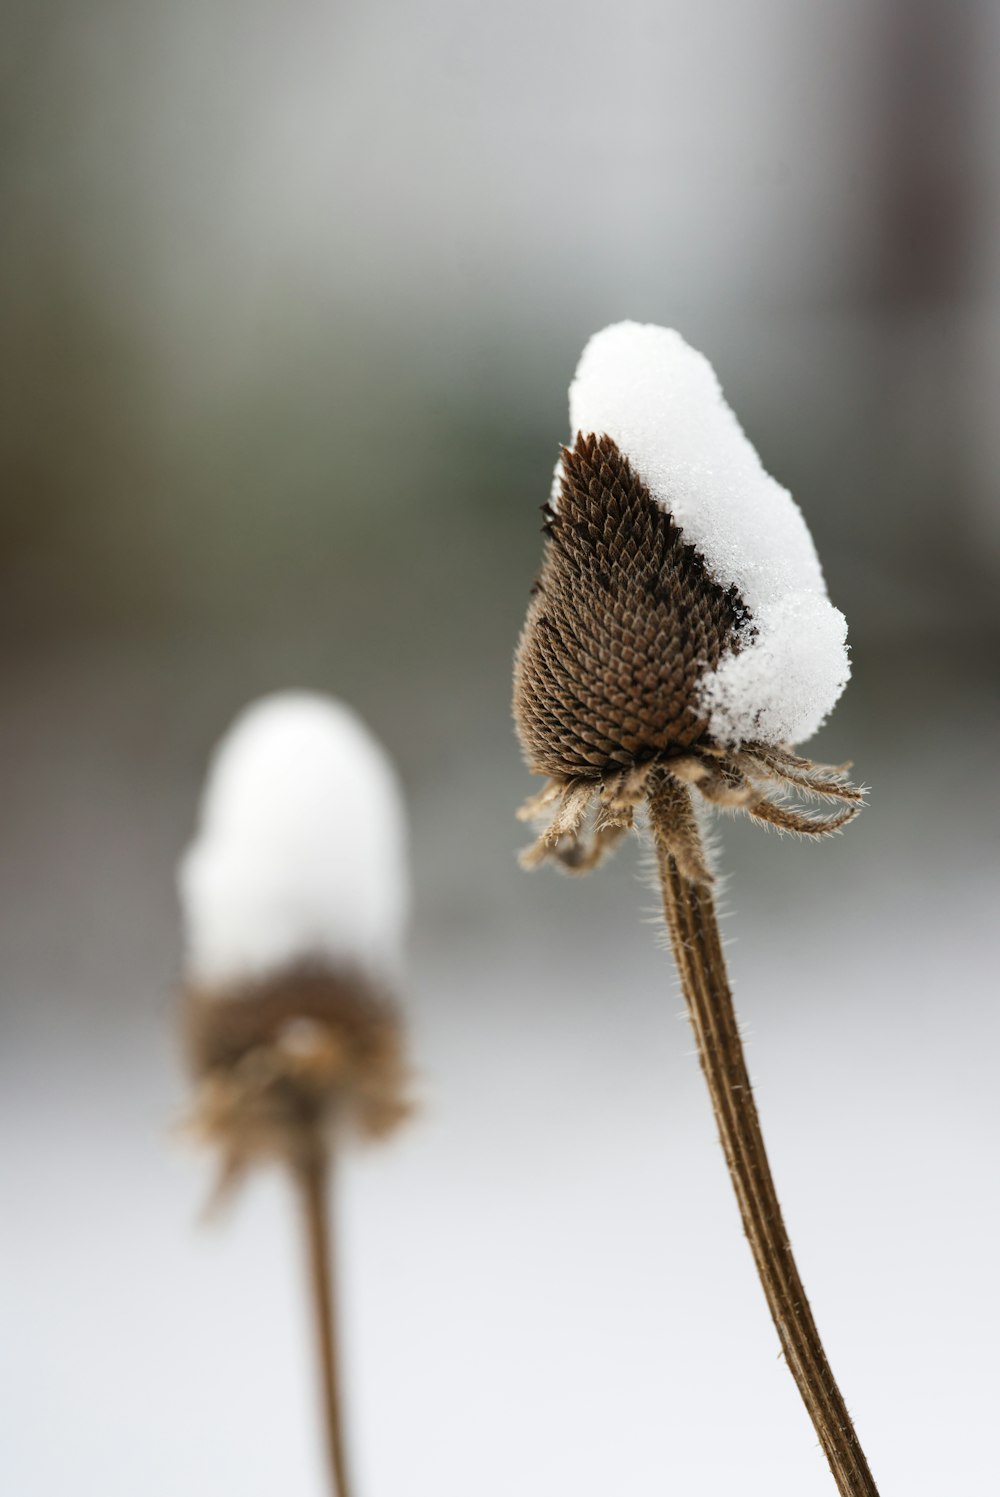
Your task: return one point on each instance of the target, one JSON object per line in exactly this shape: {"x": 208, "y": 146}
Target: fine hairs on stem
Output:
{"x": 690, "y": 915}
{"x": 294, "y": 899}
{"x": 679, "y": 639}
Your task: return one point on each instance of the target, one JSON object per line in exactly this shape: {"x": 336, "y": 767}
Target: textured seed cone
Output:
{"x": 286, "y": 1060}
{"x": 624, "y": 623}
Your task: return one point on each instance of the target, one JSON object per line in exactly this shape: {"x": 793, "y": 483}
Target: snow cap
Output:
{"x": 660, "y": 401}
{"x": 300, "y": 852}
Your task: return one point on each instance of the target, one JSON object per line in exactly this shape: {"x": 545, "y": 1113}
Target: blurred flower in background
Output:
{"x": 289, "y": 298}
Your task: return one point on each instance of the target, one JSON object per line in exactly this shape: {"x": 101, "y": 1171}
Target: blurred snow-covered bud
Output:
{"x": 300, "y": 856}
{"x": 294, "y": 896}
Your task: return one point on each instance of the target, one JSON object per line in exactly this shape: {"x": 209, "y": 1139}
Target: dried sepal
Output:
{"x": 741, "y": 780}
{"x": 589, "y": 820}
{"x": 281, "y": 1066}
{"x": 591, "y": 816}
{"x": 824, "y": 781}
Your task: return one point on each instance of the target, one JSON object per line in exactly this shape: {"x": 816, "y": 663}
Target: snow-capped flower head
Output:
{"x": 678, "y": 640}
{"x": 681, "y": 614}
{"x": 300, "y": 856}
{"x": 294, "y": 896}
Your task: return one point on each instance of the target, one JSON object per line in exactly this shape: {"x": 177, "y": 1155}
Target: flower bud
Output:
{"x": 294, "y": 896}
{"x": 681, "y": 600}
{"x": 300, "y": 855}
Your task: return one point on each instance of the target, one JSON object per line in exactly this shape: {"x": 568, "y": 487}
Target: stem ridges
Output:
{"x": 691, "y": 920}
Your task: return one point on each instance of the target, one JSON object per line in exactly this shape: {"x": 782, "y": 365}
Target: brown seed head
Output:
{"x": 624, "y": 622}
{"x": 281, "y": 1063}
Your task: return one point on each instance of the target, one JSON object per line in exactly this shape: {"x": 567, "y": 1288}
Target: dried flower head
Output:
{"x": 680, "y": 618}
{"x": 294, "y": 896}
{"x": 680, "y": 639}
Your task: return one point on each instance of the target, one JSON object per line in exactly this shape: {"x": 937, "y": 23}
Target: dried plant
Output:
{"x": 663, "y": 660}
{"x": 284, "y": 1064}
{"x": 293, "y": 896}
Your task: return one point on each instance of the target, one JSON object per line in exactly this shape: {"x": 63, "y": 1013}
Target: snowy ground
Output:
{"x": 546, "y": 1287}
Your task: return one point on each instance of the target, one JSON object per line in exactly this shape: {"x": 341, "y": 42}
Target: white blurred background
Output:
{"x": 289, "y": 301}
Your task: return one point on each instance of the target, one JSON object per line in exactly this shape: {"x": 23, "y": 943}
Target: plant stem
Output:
{"x": 312, "y": 1174}
{"x": 694, "y": 933}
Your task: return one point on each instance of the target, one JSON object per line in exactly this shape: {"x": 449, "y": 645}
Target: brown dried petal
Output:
{"x": 279, "y": 1063}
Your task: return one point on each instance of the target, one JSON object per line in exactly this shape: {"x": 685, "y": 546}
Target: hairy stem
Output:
{"x": 312, "y": 1174}
{"x": 694, "y": 933}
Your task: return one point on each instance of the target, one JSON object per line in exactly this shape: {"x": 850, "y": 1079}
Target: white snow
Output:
{"x": 660, "y": 401}
{"x": 301, "y": 850}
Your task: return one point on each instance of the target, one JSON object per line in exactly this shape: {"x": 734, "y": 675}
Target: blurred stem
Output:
{"x": 313, "y": 1177}
{"x": 694, "y": 933}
